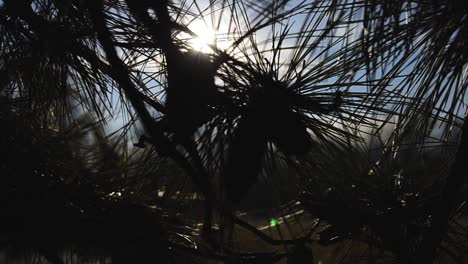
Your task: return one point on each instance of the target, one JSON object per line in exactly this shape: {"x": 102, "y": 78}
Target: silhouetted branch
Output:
{"x": 442, "y": 212}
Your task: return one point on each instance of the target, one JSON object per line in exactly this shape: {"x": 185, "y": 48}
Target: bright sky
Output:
{"x": 215, "y": 26}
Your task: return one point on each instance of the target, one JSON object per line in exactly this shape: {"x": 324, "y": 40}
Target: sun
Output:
{"x": 205, "y": 37}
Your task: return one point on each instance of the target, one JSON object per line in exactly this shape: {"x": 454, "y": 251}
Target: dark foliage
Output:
{"x": 349, "y": 111}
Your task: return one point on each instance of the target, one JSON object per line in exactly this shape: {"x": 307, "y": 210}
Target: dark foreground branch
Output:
{"x": 442, "y": 212}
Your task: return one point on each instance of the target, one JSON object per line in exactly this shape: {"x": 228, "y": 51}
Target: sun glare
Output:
{"x": 205, "y": 37}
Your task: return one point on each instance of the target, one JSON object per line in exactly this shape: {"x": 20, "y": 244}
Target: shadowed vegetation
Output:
{"x": 299, "y": 132}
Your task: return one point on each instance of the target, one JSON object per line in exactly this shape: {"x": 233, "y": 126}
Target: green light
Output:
{"x": 273, "y": 222}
